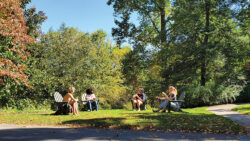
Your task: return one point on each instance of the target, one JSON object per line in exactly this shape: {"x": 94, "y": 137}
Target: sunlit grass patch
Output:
{"x": 244, "y": 109}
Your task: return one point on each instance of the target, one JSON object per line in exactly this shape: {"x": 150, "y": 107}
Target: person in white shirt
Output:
{"x": 90, "y": 97}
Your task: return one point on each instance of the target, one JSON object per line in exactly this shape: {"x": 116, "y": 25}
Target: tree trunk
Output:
{"x": 205, "y": 45}
{"x": 163, "y": 38}
{"x": 163, "y": 34}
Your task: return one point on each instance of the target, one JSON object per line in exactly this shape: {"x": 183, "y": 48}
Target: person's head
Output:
{"x": 140, "y": 91}
{"x": 72, "y": 89}
{"x": 171, "y": 88}
{"x": 90, "y": 91}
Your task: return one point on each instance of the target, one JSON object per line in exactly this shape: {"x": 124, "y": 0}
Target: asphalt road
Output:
{"x": 226, "y": 111}
{"x": 38, "y": 133}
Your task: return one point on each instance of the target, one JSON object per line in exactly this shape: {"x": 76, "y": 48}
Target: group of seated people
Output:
{"x": 137, "y": 99}
{"x": 140, "y": 99}
{"x": 90, "y": 98}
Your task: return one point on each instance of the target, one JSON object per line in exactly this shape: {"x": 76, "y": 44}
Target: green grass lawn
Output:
{"x": 196, "y": 120}
{"x": 244, "y": 109}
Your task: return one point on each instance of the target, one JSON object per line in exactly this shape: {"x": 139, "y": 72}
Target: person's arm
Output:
{"x": 165, "y": 96}
{"x": 139, "y": 98}
{"x": 93, "y": 97}
{"x": 134, "y": 96}
{"x": 74, "y": 99}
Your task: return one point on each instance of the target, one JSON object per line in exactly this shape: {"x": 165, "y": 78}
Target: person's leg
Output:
{"x": 139, "y": 103}
{"x": 90, "y": 105}
{"x": 157, "y": 109}
{"x": 95, "y": 103}
{"x": 76, "y": 108}
{"x": 162, "y": 106}
{"x": 165, "y": 106}
{"x": 134, "y": 104}
{"x": 72, "y": 103}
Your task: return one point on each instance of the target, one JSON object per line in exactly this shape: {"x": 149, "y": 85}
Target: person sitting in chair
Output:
{"x": 139, "y": 99}
{"x": 71, "y": 100}
{"x": 90, "y": 97}
{"x": 171, "y": 96}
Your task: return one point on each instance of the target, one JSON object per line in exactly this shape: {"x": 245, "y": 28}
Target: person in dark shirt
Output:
{"x": 171, "y": 96}
{"x": 139, "y": 99}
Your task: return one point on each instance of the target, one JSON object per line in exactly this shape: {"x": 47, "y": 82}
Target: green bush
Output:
{"x": 210, "y": 95}
{"x": 24, "y": 103}
{"x": 245, "y": 94}
{"x": 104, "y": 104}
{"x": 127, "y": 106}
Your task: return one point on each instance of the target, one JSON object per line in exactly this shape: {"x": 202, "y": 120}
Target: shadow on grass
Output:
{"x": 112, "y": 123}
{"x": 52, "y": 114}
{"x": 185, "y": 122}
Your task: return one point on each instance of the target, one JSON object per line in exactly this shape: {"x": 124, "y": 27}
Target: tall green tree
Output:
{"x": 13, "y": 42}
{"x": 205, "y": 49}
{"x": 208, "y": 49}
{"x": 152, "y": 27}
{"x": 144, "y": 24}
{"x": 33, "y": 18}
{"x": 29, "y": 24}
{"x": 69, "y": 57}
{"x": 208, "y": 26}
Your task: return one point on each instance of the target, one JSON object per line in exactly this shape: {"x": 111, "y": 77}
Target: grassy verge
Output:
{"x": 244, "y": 109}
{"x": 196, "y": 120}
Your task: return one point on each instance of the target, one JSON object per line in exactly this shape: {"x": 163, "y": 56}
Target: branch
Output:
{"x": 152, "y": 21}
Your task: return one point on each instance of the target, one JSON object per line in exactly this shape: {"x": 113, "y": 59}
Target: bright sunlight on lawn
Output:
{"x": 244, "y": 109}
{"x": 196, "y": 120}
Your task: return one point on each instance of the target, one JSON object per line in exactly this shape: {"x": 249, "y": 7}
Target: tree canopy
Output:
{"x": 14, "y": 38}
{"x": 200, "y": 47}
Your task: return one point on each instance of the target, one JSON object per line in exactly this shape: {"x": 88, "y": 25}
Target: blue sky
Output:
{"x": 86, "y": 15}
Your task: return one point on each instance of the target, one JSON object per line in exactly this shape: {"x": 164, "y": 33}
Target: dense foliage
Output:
{"x": 68, "y": 57}
{"x": 200, "y": 47}
{"x": 18, "y": 26}
{"x": 13, "y": 35}
{"x": 13, "y": 53}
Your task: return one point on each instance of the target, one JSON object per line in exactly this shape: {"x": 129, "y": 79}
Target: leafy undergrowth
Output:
{"x": 244, "y": 109}
{"x": 196, "y": 120}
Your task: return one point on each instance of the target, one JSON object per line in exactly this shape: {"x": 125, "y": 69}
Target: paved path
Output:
{"x": 37, "y": 133}
{"x": 226, "y": 111}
